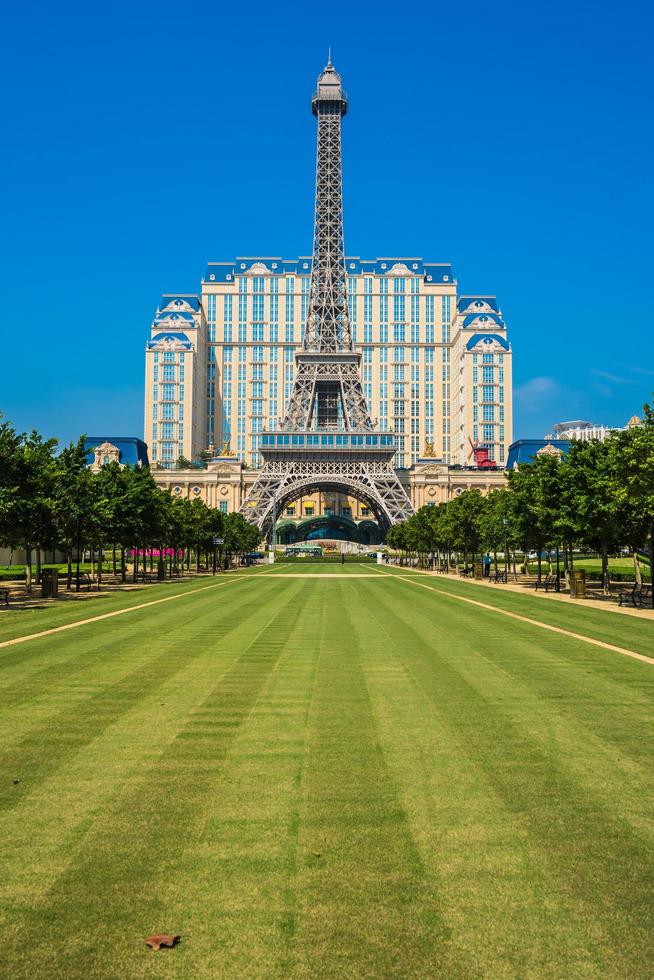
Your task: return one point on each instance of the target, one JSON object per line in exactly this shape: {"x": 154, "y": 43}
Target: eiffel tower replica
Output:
{"x": 327, "y": 439}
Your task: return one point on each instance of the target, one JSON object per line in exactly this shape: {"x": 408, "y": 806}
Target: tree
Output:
{"x": 72, "y": 500}
{"x": 31, "y": 514}
{"x": 634, "y": 474}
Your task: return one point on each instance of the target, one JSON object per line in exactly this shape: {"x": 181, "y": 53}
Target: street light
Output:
{"x": 506, "y": 548}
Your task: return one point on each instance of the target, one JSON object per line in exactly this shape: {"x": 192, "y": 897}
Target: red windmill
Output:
{"x": 481, "y": 455}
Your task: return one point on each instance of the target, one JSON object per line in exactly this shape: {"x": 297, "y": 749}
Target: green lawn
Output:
{"x": 327, "y": 776}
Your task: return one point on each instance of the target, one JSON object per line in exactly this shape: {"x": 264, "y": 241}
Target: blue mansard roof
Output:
{"x": 487, "y": 338}
{"x": 175, "y": 301}
{"x": 477, "y": 303}
{"x": 488, "y": 318}
{"x": 176, "y": 315}
{"x": 170, "y": 336}
{"x": 437, "y": 272}
{"x": 133, "y": 451}
{"x": 526, "y": 450}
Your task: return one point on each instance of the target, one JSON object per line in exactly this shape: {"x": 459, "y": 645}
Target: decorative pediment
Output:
{"x": 258, "y": 269}
{"x": 104, "y": 454}
{"x": 549, "y": 450}
{"x": 488, "y": 343}
{"x": 170, "y": 341}
{"x": 399, "y": 269}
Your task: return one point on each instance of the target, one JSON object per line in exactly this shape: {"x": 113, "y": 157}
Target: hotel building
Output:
{"x": 436, "y": 364}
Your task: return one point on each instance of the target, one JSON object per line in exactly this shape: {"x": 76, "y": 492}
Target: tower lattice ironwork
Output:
{"x": 327, "y": 439}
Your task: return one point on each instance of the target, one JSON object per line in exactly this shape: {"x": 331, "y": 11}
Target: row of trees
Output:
{"x": 600, "y": 496}
{"x": 53, "y": 500}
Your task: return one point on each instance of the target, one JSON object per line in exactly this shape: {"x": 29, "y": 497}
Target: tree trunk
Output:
{"x": 38, "y": 566}
{"x": 99, "y": 566}
{"x": 28, "y": 569}
{"x": 69, "y": 570}
{"x": 605, "y": 568}
{"x": 539, "y": 573}
{"x": 113, "y": 559}
{"x": 637, "y": 576}
{"x": 123, "y": 569}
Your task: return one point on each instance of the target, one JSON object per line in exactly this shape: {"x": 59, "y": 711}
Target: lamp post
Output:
{"x": 506, "y": 548}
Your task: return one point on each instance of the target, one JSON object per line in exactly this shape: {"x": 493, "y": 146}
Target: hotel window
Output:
{"x": 501, "y": 398}
{"x": 398, "y": 372}
{"x": 487, "y": 393}
{"x": 168, "y": 393}
{"x": 399, "y": 333}
{"x": 367, "y": 333}
{"x": 399, "y": 309}
{"x": 487, "y": 358}
{"x": 223, "y": 506}
{"x": 383, "y": 308}
{"x": 398, "y": 354}
{"x": 489, "y": 432}
{"x": 257, "y": 284}
{"x": 367, "y": 355}
{"x": 306, "y": 287}
{"x": 488, "y": 413}
{"x": 168, "y": 450}
{"x": 383, "y": 355}
{"x": 383, "y": 333}
{"x": 487, "y": 375}
{"x": 308, "y": 510}
{"x": 430, "y": 319}
{"x": 169, "y": 357}
{"x": 429, "y": 355}
{"x": 227, "y": 319}
{"x": 211, "y": 308}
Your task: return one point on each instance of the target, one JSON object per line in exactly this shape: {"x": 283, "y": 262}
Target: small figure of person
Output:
{"x": 342, "y": 558}
{"x": 487, "y": 565}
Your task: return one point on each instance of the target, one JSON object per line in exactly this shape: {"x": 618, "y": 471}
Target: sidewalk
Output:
{"x": 526, "y": 586}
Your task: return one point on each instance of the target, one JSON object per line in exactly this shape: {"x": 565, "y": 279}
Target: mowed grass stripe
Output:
{"x": 365, "y": 908}
{"x": 111, "y": 887}
{"x": 626, "y": 632}
{"x": 107, "y": 670}
{"x": 234, "y": 890}
{"x": 530, "y": 620}
{"x": 564, "y": 792}
{"x": 109, "y": 615}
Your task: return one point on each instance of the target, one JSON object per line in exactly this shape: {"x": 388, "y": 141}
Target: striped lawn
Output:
{"x": 330, "y": 776}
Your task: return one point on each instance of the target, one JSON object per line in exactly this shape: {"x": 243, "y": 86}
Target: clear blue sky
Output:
{"x": 144, "y": 139}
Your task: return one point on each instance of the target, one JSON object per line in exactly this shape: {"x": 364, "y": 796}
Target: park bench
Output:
{"x": 4, "y": 596}
{"x": 547, "y": 583}
{"x": 465, "y": 572}
{"x": 143, "y": 577}
{"x": 636, "y": 596}
{"x": 85, "y": 580}
{"x": 498, "y": 577}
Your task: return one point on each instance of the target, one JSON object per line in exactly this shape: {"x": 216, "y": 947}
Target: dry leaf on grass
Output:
{"x": 161, "y": 939}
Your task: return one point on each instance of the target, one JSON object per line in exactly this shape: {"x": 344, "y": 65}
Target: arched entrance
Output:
{"x": 371, "y": 531}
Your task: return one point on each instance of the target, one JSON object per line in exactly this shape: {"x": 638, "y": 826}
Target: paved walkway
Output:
{"x": 526, "y": 586}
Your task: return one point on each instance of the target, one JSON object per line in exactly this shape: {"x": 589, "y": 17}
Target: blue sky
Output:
{"x": 142, "y": 140}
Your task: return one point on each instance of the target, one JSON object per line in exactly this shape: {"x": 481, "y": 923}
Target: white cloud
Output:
{"x": 531, "y": 393}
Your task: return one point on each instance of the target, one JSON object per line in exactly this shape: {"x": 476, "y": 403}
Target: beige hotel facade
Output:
{"x": 435, "y": 365}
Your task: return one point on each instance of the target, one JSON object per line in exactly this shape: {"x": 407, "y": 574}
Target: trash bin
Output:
{"x": 49, "y": 583}
{"x": 578, "y": 584}
{"x": 479, "y": 570}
